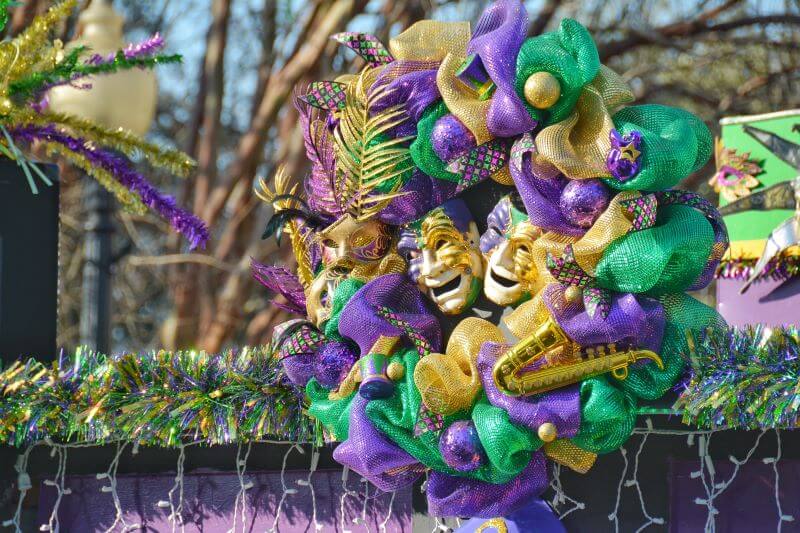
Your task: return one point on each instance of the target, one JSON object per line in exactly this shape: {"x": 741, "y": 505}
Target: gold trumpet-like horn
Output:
{"x": 548, "y": 337}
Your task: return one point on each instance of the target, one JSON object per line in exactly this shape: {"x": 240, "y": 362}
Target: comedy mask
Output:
{"x": 443, "y": 255}
{"x": 349, "y": 247}
{"x": 506, "y": 245}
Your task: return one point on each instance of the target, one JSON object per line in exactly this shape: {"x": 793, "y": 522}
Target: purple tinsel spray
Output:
{"x": 145, "y": 48}
{"x": 183, "y": 222}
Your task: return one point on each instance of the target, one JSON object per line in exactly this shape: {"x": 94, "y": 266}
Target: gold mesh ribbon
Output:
{"x": 430, "y": 40}
{"x": 578, "y": 145}
{"x": 503, "y": 176}
{"x": 526, "y": 319}
{"x": 449, "y": 382}
{"x": 392, "y": 263}
{"x": 564, "y": 452}
{"x": 461, "y": 100}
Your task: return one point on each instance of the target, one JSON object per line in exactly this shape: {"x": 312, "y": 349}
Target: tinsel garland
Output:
{"x": 745, "y": 378}
{"x": 71, "y": 69}
{"x": 778, "y": 269}
{"x": 111, "y": 165}
{"x": 158, "y": 398}
{"x": 33, "y": 65}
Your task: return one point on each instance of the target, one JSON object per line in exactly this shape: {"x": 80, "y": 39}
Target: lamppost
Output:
{"x": 126, "y": 99}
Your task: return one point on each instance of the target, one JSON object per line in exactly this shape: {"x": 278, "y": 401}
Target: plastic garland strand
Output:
{"x": 157, "y": 398}
{"x": 31, "y": 65}
{"x": 743, "y": 378}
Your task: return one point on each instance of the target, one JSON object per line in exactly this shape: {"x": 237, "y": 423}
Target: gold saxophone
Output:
{"x": 548, "y": 337}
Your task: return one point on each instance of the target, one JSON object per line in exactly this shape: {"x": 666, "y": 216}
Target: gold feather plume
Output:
{"x": 368, "y": 163}
{"x": 289, "y": 200}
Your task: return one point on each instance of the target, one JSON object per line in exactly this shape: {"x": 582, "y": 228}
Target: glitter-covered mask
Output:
{"x": 507, "y": 246}
{"x": 346, "y": 245}
{"x": 444, "y": 257}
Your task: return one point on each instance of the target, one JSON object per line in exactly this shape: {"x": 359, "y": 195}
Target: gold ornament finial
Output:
{"x": 573, "y": 293}
{"x": 542, "y": 90}
{"x": 547, "y": 432}
{"x": 396, "y": 371}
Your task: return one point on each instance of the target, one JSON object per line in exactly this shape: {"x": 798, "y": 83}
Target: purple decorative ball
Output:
{"x": 451, "y": 139}
{"x": 461, "y": 447}
{"x": 332, "y": 363}
{"x": 583, "y": 201}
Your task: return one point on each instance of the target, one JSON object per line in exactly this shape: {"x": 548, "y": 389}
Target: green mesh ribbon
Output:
{"x": 675, "y": 143}
{"x": 344, "y": 291}
{"x": 682, "y": 312}
{"x": 508, "y": 446}
{"x": 570, "y": 55}
{"x": 664, "y": 259}
{"x": 334, "y": 415}
{"x": 608, "y": 415}
{"x": 422, "y": 150}
{"x": 505, "y": 443}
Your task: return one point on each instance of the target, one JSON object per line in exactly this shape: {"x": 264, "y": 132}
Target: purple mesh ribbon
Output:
{"x": 412, "y": 83}
{"x": 562, "y": 407}
{"x": 540, "y": 191}
{"x": 422, "y": 194}
{"x": 497, "y": 39}
{"x": 361, "y": 321}
{"x": 458, "y": 496}
{"x": 721, "y": 239}
{"x": 635, "y": 320}
{"x": 369, "y": 453}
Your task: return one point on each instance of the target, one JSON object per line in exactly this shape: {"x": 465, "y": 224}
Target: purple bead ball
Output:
{"x": 332, "y": 363}
{"x": 450, "y": 138}
{"x": 461, "y": 447}
{"x": 583, "y": 201}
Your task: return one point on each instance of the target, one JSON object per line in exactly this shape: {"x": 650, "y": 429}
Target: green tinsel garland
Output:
{"x": 70, "y": 67}
{"x": 746, "y": 378}
{"x": 157, "y": 398}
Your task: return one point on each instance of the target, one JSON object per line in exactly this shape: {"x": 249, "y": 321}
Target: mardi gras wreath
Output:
{"x": 466, "y": 171}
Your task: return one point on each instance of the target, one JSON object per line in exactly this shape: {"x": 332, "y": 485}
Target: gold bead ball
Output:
{"x": 5, "y": 106}
{"x": 573, "y": 294}
{"x": 542, "y": 90}
{"x": 396, "y": 371}
{"x": 547, "y": 432}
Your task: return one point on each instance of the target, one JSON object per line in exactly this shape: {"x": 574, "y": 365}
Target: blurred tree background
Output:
{"x": 229, "y": 106}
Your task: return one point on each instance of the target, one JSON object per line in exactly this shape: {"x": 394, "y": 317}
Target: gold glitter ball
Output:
{"x": 573, "y": 294}
{"x": 5, "y": 106}
{"x": 542, "y": 90}
{"x": 396, "y": 371}
{"x": 547, "y": 432}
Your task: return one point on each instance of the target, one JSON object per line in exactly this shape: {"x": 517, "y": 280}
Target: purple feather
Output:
{"x": 282, "y": 281}
{"x": 320, "y": 184}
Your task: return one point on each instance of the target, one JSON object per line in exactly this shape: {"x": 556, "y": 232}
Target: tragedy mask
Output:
{"x": 507, "y": 246}
{"x": 444, "y": 257}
